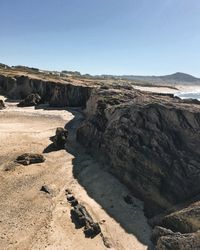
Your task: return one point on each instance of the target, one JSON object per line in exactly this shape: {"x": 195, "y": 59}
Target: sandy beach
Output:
{"x": 177, "y": 89}
{"x": 31, "y": 219}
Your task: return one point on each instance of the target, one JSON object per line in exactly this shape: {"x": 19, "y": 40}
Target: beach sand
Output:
{"x": 177, "y": 89}
{"x": 31, "y": 219}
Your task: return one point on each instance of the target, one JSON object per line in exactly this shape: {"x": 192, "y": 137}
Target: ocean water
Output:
{"x": 188, "y": 95}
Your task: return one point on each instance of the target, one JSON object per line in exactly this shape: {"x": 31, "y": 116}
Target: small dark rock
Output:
{"x": 83, "y": 218}
{"x": 78, "y": 215}
{"x": 45, "y": 189}
{"x": 70, "y": 197}
{"x": 68, "y": 191}
{"x": 60, "y": 138}
{"x": 27, "y": 159}
{"x": 91, "y": 230}
{"x": 30, "y": 100}
{"x": 72, "y": 200}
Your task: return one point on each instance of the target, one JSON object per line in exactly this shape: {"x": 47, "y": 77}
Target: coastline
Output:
{"x": 169, "y": 90}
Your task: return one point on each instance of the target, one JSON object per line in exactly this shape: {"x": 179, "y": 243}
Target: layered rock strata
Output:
{"x": 151, "y": 142}
{"x": 57, "y": 94}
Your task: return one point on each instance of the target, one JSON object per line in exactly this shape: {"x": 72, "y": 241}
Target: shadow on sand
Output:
{"x": 105, "y": 189}
{"x": 50, "y": 148}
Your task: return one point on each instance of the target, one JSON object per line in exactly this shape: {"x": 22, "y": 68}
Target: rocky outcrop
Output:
{"x": 186, "y": 220}
{"x": 30, "y": 100}
{"x": 60, "y": 138}
{"x": 151, "y": 142}
{"x": 57, "y": 94}
{"x": 180, "y": 229}
{"x": 27, "y": 159}
{"x": 179, "y": 242}
{"x": 159, "y": 232}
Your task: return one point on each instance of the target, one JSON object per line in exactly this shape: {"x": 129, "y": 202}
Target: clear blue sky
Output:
{"x": 144, "y": 37}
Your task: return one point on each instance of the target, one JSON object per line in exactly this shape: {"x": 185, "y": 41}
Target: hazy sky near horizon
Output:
{"x": 143, "y": 37}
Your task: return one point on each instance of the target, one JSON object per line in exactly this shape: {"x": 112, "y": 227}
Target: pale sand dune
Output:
{"x": 30, "y": 219}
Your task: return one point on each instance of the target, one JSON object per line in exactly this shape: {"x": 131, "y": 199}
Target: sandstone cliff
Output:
{"x": 57, "y": 94}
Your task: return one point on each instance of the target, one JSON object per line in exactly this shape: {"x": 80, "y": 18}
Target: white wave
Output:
{"x": 189, "y": 95}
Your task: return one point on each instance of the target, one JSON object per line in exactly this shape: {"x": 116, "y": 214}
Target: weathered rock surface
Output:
{"x": 27, "y": 159}
{"x": 179, "y": 242}
{"x": 60, "y": 138}
{"x": 186, "y": 220}
{"x": 151, "y": 141}
{"x": 30, "y": 100}
{"x": 83, "y": 218}
{"x": 159, "y": 232}
{"x": 57, "y": 94}
{"x": 80, "y": 216}
{"x": 2, "y": 105}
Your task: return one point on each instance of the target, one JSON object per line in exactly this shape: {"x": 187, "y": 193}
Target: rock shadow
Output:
{"x": 46, "y": 106}
{"x": 12, "y": 100}
{"x": 50, "y": 148}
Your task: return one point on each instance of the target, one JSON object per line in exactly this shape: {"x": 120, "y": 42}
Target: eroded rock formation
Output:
{"x": 179, "y": 242}
{"x": 151, "y": 141}
{"x": 57, "y": 94}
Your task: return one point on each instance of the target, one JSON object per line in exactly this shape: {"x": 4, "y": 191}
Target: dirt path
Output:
{"x": 31, "y": 219}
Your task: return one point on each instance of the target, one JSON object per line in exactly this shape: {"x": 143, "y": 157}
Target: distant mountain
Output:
{"x": 176, "y": 78}
{"x": 181, "y": 77}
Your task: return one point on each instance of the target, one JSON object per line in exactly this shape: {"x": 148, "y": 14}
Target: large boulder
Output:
{"x": 27, "y": 159}
{"x": 60, "y": 138}
{"x": 30, "y": 100}
{"x": 2, "y": 105}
